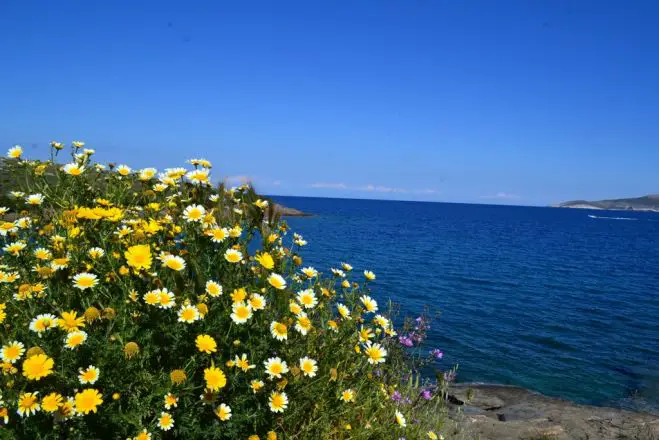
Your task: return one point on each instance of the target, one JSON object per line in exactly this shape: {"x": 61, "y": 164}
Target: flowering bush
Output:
{"x": 138, "y": 304}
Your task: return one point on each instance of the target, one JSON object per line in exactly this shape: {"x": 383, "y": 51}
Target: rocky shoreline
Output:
{"x": 290, "y": 212}
{"x": 499, "y": 412}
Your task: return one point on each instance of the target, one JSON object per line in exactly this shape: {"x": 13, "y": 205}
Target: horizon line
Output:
{"x": 409, "y": 201}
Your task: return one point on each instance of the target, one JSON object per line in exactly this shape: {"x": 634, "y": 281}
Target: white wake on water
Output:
{"x": 611, "y": 218}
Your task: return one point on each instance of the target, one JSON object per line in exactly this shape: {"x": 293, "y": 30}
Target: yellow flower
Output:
{"x": 295, "y": 308}
{"x": 241, "y": 312}
{"x": 275, "y": 367}
{"x": 348, "y": 395}
{"x": 139, "y": 257}
{"x": 303, "y": 323}
{"x": 74, "y": 339}
{"x": 308, "y": 366}
{"x": 200, "y": 176}
{"x": 278, "y": 330}
{"x": 375, "y": 352}
{"x": 272, "y": 435}
{"x": 202, "y": 308}
{"x": 261, "y": 203}
{"x": 213, "y": 288}
{"x": 194, "y": 213}
{"x": 256, "y": 385}
{"x": 343, "y": 311}
{"x": 278, "y": 402}
{"x": 123, "y": 170}
{"x": 131, "y": 349}
{"x": 89, "y": 376}
{"x": 215, "y": 378}
{"x": 144, "y": 435}
{"x": 51, "y": 402}
{"x": 12, "y": 351}
{"x": 85, "y": 280}
{"x": 73, "y": 169}
{"x": 171, "y": 401}
{"x": 15, "y": 152}
{"x": 257, "y": 302}
{"x": 165, "y": 421}
{"x": 365, "y": 334}
{"x": 188, "y": 314}
{"x": 217, "y": 235}
{"x": 369, "y": 303}
{"x": 92, "y": 314}
{"x": 307, "y": 298}
{"x": 277, "y": 281}
{"x": 36, "y": 367}
{"x": 206, "y": 344}
{"x": 309, "y": 272}
{"x": 28, "y": 404}
{"x": 400, "y": 419}
{"x": 70, "y": 322}
{"x": 243, "y": 363}
{"x": 265, "y": 259}
{"x": 370, "y": 276}
{"x": 239, "y": 295}
{"x": 223, "y": 412}
{"x": 88, "y": 400}
{"x": 177, "y": 377}
{"x": 174, "y": 262}
{"x": 233, "y": 256}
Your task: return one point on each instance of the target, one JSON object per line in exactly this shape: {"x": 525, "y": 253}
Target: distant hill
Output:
{"x": 645, "y": 203}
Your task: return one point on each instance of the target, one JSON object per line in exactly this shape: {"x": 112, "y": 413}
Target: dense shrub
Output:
{"x": 142, "y": 305}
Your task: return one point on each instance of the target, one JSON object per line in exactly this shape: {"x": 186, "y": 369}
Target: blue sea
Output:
{"x": 561, "y": 301}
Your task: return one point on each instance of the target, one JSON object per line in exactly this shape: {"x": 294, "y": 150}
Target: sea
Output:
{"x": 564, "y": 302}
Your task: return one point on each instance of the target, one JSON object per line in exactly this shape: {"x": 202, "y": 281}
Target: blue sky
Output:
{"x": 525, "y": 102}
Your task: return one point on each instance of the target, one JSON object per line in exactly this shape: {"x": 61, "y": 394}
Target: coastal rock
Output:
{"x": 497, "y": 412}
{"x": 645, "y": 203}
{"x": 290, "y": 212}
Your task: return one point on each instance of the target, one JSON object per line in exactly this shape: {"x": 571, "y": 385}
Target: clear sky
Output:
{"x": 525, "y": 102}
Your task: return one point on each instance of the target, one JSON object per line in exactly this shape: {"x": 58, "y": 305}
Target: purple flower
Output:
{"x": 406, "y": 341}
{"x": 396, "y": 396}
{"x": 426, "y": 394}
{"x": 437, "y": 353}
{"x": 449, "y": 376}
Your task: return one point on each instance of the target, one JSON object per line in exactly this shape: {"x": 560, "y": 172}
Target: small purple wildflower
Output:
{"x": 396, "y": 396}
{"x": 406, "y": 341}
{"x": 437, "y": 353}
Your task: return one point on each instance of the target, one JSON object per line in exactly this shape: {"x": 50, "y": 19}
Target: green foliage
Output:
{"x": 130, "y": 213}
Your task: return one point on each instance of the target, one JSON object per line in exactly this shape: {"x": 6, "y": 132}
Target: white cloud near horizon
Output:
{"x": 238, "y": 179}
{"x": 372, "y": 188}
{"x": 381, "y": 188}
{"x": 329, "y": 185}
{"x": 502, "y": 196}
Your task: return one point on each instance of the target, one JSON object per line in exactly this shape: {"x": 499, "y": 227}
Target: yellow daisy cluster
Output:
{"x": 136, "y": 302}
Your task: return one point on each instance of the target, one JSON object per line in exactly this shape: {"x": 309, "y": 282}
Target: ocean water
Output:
{"x": 561, "y": 301}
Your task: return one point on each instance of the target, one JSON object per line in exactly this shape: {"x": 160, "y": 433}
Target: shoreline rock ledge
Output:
{"x": 290, "y": 212}
{"x": 499, "y": 412}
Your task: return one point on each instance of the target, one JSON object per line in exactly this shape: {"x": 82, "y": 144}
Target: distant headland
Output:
{"x": 645, "y": 203}
{"x": 290, "y": 212}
